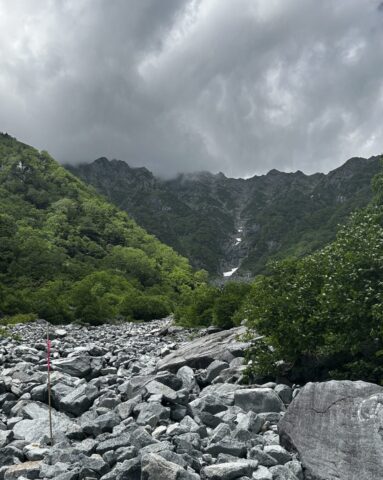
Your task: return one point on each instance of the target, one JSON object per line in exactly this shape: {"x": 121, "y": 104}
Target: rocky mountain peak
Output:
{"x": 225, "y": 224}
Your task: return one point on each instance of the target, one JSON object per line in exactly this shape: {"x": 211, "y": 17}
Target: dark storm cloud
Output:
{"x": 238, "y": 86}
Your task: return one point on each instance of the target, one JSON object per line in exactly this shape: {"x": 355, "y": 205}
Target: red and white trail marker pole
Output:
{"x": 49, "y": 385}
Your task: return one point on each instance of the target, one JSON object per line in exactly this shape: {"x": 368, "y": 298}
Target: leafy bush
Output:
{"x": 227, "y": 302}
{"x": 324, "y": 310}
{"x": 195, "y": 308}
{"x": 208, "y": 305}
{"x": 18, "y": 318}
{"x": 146, "y": 307}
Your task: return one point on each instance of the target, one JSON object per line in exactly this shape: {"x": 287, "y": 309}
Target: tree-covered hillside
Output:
{"x": 202, "y": 215}
{"x": 321, "y": 316}
{"x": 182, "y": 213}
{"x": 66, "y": 254}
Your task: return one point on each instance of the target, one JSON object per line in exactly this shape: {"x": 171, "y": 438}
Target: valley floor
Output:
{"x": 137, "y": 401}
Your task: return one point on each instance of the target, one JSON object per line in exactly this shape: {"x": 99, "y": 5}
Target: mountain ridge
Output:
{"x": 202, "y": 215}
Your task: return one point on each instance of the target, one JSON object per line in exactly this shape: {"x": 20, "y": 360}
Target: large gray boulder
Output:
{"x": 229, "y": 470}
{"x": 29, "y": 470}
{"x": 35, "y": 425}
{"x": 79, "y": 399}
{"x": 155, "y": 467}
{"x": 336, "y": 427}
{"x": 203, "y": 351}
{"x": 258, "y": 400}
{"x": 74, "y": 366}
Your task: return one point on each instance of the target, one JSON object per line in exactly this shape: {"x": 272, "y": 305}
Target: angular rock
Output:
{"x": 36, "y": 426}
{"x": 174, "y": 458}
{"x": 230, "y": 447}
{"x": 10, "y": 455}
{"x": 126, "y": 453}
{"x": 262, "y": 473}
{"x": 296, "y": 468}
{"x": 178, "y": 412}
{"x": 335, "y": 427}
{"x": 59, "y": 333}
{"x": 53, "y": 471}
{"x": 223, "y": 392}
{"x": 156, "y": 448}
{"x": 33, "y": 452}
{"x": 214, "y": 369}
{"x": 75, "y": 366}
{"x": 6, "y": 436}
{"x": 125, "y": 409}
{"x": 130, "y": 470}
{"x": 152, "y": 413}
{"x": 155, "y": 467}
{"x": 169, "y": 379}
{"x": 186, "y": 375}
{"x": 281, "y": 472}
{"x": 278, "y": 453}
{"x": 60, "y": 390}
{"x": 257, "y": 453}
{"x": 208, "y": 403}
{"x": 89, "y": 466}
{"x": 134, "y": 387}
{"x": 209, "y": 420}
{"x": 101, "y": 424}
{"x": 72, "y": 475}
{"x": 141, "y": 438}
{"x": 157, "y": 388}
{"x": 285, "y": 393}
{"x": 114, "y": 443}
{"x": 29, "y": 470}
{"x": 229, "y": 471}
{"x": 202, "y": 351}
{"x": 79, "y": 400}
{"x": 249, "y": 421}
{"x": 258, "y": 400}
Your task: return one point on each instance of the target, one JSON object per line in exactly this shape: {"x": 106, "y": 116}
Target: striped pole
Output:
{"x": 49, "y": 384}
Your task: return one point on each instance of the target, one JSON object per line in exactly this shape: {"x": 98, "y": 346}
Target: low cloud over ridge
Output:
{"x": 185, "y": 85}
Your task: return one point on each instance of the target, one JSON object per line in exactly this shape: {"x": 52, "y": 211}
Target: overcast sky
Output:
{"x": 239, "y": 86}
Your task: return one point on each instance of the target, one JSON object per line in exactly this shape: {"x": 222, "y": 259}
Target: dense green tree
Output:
{"x": 98, "y": 296}
{"x": 134, "y": 264}
{"x": 66, "y": 254}
{"x": 207, "y": 305}
{"x": 145, "y": 307}
{"x": 326, "y": 309}
{"x": 195, "y": 308}
{"x": 227, "y": 303}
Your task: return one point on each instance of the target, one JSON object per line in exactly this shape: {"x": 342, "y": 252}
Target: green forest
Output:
{"x": 323, "y": 314}
{"x": 280, "y": 214}
{"x": 316, "y": 317}
{"x": 68, "y": 255}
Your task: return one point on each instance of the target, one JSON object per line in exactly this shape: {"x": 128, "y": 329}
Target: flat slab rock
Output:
{"x": 201, "y": 352}
{"x": 337, "y": 429}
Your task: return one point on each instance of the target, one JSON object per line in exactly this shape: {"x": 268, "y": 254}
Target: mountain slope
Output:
{"x": 185, "y": 214}
{"x": 67, "y": 254}
{"x": 220, "y": 223}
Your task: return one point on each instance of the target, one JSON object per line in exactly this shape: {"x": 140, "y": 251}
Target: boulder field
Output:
{"x": 137, "y": 401}
{"x": 145, "y": 401}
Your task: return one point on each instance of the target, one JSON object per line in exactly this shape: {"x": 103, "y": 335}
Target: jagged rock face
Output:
{"x": 336, "y": 427}
{"x": 201, "y": 352}
{"x": 222, "y": 223}
{"x": 121, "y": 411}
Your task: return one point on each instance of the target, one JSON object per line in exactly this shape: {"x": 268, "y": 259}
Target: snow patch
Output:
{"x": 230, "y": 272}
